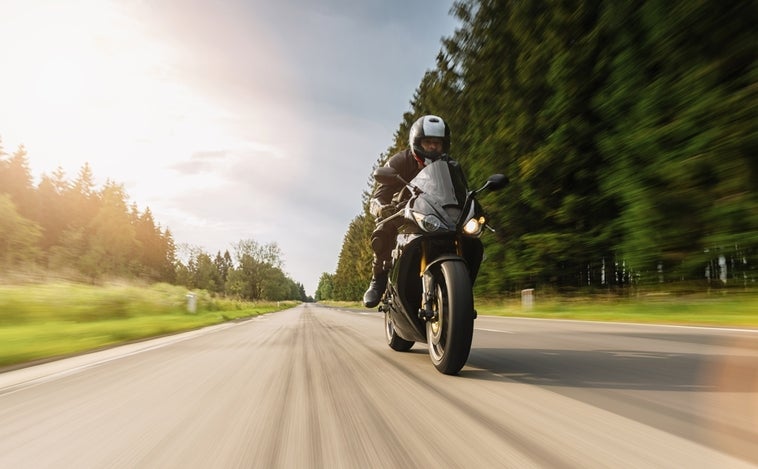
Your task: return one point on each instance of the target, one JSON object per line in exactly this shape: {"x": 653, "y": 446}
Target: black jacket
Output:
{"x": 407, "y": 167}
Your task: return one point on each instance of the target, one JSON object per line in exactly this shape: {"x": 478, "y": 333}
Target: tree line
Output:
{"x": 627, "y": 129}
{"x": 71, "y": 227}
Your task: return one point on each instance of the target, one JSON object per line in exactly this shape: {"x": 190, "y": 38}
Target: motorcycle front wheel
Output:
{"x": 449, "y": 333}
{"x": 395, "y": 342}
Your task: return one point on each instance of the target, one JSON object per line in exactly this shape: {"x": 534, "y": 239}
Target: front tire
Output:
{"x": 449, "y": 334}
{"x": 395, "y": 342}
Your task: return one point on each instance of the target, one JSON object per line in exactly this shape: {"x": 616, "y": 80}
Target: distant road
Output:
{"x": 318, "y": 387}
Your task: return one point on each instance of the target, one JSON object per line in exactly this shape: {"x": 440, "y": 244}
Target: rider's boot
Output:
{"x": 375, "y": 290}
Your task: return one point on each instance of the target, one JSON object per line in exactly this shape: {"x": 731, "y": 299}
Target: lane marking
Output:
{"x": 493, "y": 330}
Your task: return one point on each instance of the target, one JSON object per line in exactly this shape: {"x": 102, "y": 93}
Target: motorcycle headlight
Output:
{"x": 474, "y": 226}
{"x": 427, "y": 222}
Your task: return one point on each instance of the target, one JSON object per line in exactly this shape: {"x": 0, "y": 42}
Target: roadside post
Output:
{"x": 527, "y": 298}
{"x": 191, "y": 303}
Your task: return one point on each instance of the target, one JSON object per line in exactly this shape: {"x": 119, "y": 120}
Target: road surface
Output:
{"x": 318, "y": 387}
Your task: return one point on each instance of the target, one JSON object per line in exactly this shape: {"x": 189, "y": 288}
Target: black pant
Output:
{"x": 383, "y": 240}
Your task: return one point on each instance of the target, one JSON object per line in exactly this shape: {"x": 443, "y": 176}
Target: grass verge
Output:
{"x": 733, "y": 310}
{"x": 725, "y": 310}
{"x": 43, "y": 321}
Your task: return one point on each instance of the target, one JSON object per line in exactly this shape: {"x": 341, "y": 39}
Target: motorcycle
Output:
{"x": 429, "y": 296}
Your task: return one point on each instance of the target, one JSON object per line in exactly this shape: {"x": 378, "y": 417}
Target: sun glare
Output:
{"x": 117, "y": 85}
{"x": 87, "y": 75}
{"x": 69, "y": 57}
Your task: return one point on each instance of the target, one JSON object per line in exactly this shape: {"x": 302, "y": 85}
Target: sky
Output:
{"x": 230, "y": 120}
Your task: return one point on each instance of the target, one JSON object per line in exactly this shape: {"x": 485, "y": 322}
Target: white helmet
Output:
{"x": 425, "y": 127}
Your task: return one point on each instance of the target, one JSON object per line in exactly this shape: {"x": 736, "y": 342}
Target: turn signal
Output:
{"x": 474, "y": 226}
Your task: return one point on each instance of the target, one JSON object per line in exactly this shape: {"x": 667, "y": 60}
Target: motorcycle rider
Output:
{"x": 429, "y": 141}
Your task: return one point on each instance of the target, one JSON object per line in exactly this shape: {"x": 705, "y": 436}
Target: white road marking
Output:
{"x": 493, "y": 330}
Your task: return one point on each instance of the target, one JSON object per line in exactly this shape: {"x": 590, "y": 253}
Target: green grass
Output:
{"x": 735, "y": 310}
{"x": 730, "y": 309}
{"x": 41, "y": 321}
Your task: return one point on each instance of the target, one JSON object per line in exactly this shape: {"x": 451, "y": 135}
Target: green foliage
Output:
{"x": 112, "y": 235}
{"x": 627, "y": 130}
{"x": 354, "y": 265}
{"x": 325, "y": 289}
{"x": 95, "y": 234}
{"x": 681, "y": 136}
{"x": 77, "y": 302}
{"x": 18, "y": 236}
{"x": 72, "y": 226}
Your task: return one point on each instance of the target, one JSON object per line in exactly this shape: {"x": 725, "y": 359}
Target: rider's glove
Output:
{"x": 380, "y": 210}
{"x": 375, "y": 207}
{"x": 387, "y": 210}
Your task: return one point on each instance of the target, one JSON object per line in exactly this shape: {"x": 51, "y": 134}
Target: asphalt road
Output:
{"x": 318, "y": 387}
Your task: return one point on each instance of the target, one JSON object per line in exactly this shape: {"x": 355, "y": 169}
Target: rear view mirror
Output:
{"x": 494, "y": 182}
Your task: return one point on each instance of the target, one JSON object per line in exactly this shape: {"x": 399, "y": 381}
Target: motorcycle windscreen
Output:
{"x": 436, "y": 181}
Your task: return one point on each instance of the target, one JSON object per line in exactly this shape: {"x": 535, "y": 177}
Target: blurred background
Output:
{"x": 628, "y": 131}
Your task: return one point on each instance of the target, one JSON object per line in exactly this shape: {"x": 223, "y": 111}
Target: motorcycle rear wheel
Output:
{"x": 449, "y": 334}
{"x": 395, "y": 342}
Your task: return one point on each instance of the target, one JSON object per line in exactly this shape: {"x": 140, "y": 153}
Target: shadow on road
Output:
{"x": 615, "y": 369}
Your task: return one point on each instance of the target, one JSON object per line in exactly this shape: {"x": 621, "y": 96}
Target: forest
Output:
{"x": 71, "y": 228}
{"x": 628, "y": 130}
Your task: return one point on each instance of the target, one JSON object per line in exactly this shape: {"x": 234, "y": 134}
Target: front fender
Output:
{"x": 429, "y": 285}
{"x": 445, "y": 258}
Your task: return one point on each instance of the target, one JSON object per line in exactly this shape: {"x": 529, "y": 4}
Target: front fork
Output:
{"x": 427, "y": 311}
